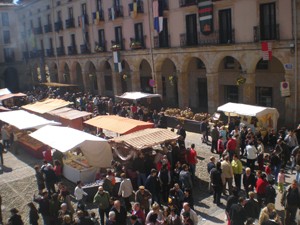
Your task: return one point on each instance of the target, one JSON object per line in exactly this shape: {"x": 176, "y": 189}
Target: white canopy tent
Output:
{"x": 137, "y": 95}
{"x": 265, "y": 114}
{"x": 24, "y": 120}
{"x": 96, "y": 150}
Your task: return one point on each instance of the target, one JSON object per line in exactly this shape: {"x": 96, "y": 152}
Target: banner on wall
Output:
{"x": 205, "y": 11}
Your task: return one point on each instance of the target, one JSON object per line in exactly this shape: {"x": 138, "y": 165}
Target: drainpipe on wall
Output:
{"x": 295, "y": 57}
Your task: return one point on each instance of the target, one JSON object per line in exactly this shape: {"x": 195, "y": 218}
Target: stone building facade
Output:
{"x": 70, "y": 41}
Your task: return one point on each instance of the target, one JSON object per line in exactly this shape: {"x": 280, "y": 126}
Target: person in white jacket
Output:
{"x": 126, "y": 190}
{"x": 79, "y": 193}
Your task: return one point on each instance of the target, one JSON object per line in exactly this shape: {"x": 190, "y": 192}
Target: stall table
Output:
{"x": 74, "y": 175}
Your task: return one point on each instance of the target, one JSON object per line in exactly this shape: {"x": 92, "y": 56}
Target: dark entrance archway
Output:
{"x": 11, "y": 79}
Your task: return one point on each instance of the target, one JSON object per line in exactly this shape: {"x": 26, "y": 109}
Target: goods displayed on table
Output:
{"x": 78, "y": 162}
{"x": 186, "y": 114}
{"x": 24, "y": 138}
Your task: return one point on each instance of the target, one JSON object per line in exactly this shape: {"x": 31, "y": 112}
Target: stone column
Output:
{"x": 249, "y": 89}
{"x": 289, "y": 101}
{"x": 61, "y": 78}
{"x": 85, "y": 80}
{"x": 213, "y": 92}
{"x": 135, "y": 80}
{"x": 158, "y": 81}
{"x": 100, "y": 82}
{"x": 183, "y": 90}
{"x": 43, "y": 71}
{"x": 116, "y": 83}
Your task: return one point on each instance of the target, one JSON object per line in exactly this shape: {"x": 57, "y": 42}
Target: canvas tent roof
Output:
{"x": 145, "y": 138}
{"x": 69, "y": 113}
{"x": 24, "y": 120}
{"x": 137, "y": 95}
{"x": 7, "y": 96}
{"x": 118, "y": 124}
{"x": 237, "y": 109}
{"x": 4, "y": 91}
{"x": 46, "y": 105}
{"x": 96, "y": 150}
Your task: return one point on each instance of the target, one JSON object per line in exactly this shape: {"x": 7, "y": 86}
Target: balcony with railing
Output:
{"x": 98, "y": 16}
{"x": 84, "y": 49}
{"x": 50, "y": 52}
{"x": 38, "y": 30}
{"x": 266, "y": 33}
{"x": 48, "y": 28}
{"x": 83, "y": 19}
{"x": 185, "y": 3}
{"x": 58, "y": 26}
{"x": 215, "y": 38}
{"x": 163, "y": 43}
{"x": 33, "y": 54}
{"x": 117, "y": 45}
{"x": 139, "y": 7}
{"x": 72, "y": 50}
{"x": 60, "y": 51}
{"x": 41, "y": 53}
{"x": 100, "y": 47}
{"x": 70, "y": 23}
{"x": 115, "y": 12}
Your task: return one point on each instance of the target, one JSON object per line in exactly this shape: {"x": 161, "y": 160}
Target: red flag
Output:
{"x": 266, "y": 48}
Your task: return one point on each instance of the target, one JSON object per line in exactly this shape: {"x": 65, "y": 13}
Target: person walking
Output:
{"x": 237, "y": 213}
{"x": 15, "y": 218}
{"x": 291, "y": 202}
{"x": 102, "y": 199}
{"x": 227, "y": 175}
{"x": 143, "y": 196}
{"x": 216, "y": 182}
{"x": 125, "y": 191}
{"x": 79, "y": 193}
{"x": 237, "y": 169}
{"x": 33, "y": 214}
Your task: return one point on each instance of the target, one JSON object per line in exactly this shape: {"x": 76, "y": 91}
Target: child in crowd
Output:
{"x": 281, "y": 180}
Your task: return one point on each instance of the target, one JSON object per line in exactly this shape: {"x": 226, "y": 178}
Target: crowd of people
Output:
{"x": 246, "y": 167}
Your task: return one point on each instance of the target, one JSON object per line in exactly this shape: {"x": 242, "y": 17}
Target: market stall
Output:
{"x": 125, "y": 146}
{"x": 21, "y": 123}
{"x": 84, "y": 153}
{"x": 153, "y": 101}
{"x": 69, "y": 117}
{"x": 46, "y": 105}
{"x": 267, "y": 117}
{"x": 118, "y": 124}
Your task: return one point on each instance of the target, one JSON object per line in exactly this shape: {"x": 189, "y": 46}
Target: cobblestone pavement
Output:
{"x": 17, "y": 184}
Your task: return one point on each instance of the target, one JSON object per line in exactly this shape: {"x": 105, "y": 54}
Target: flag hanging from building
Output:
{"x": 205, "y": 11}
{"x": 117, "y": 61}
{"x": 266, "y": 48}
{"x": 158, "y": 9}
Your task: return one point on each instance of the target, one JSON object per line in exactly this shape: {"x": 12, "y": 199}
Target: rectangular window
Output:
{"x": 73, "y": 40}
{"x": 48, "y": 19}
{"x": 39, "y": 22}
{"x": 99, "y": 5}
{"x": 42, "y": 45}
{"x": 87, "y": 37}
{"x": 231, "y": 93}
{"x": 9, "y": 55}
{"x": 268, "y": 29}
{"x": 6, "y": 37}
{"x": 31, "y": 24}
{"x": 225, "y": 27}
{"x": 191, "y": 30}
{"x": 108, "y": 83}
{"x": 5, "y": 20}
{"x": 61, "y": 41}
{"x": 264, "y": 96}
{"x": 50, "y": 43}
{"x": 83, "y": 9}
{"x": 117, "y": 3}
{"x": 59, "y": 18}
{"x": 164, "y": 35}
{"x": 118, "y": 36}
{"x": 70, "y": 11}
{"x": 139, "y": 34}
{"x": 101, "y": 37}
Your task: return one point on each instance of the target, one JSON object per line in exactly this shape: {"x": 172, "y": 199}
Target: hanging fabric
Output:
{"x": 205, "y": 10}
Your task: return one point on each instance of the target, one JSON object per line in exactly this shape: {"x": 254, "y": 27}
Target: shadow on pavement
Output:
{"x": 6, "y": 169}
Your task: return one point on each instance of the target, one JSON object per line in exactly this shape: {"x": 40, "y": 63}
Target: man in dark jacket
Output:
{"x": 216, "y": 182}
{"x": 249, "y": 181}
{"x": 152, "y": 184}
{"x": 237, "y": 213}
{"x": 120, "y": 211}
{"x": 291, "y": 202}
{"x": 252, "y": 207}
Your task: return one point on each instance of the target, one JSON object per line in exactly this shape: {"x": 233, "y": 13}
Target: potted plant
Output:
{"x": 116, "y": 47}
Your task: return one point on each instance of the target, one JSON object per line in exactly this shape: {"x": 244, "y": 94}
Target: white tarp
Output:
{"x": 96, "y": 150}
{"x": 237, "y": 109}
{"x": 4, "y": 91}
{"x": 24, "y": 120}
{"x": 137, "y": 95}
